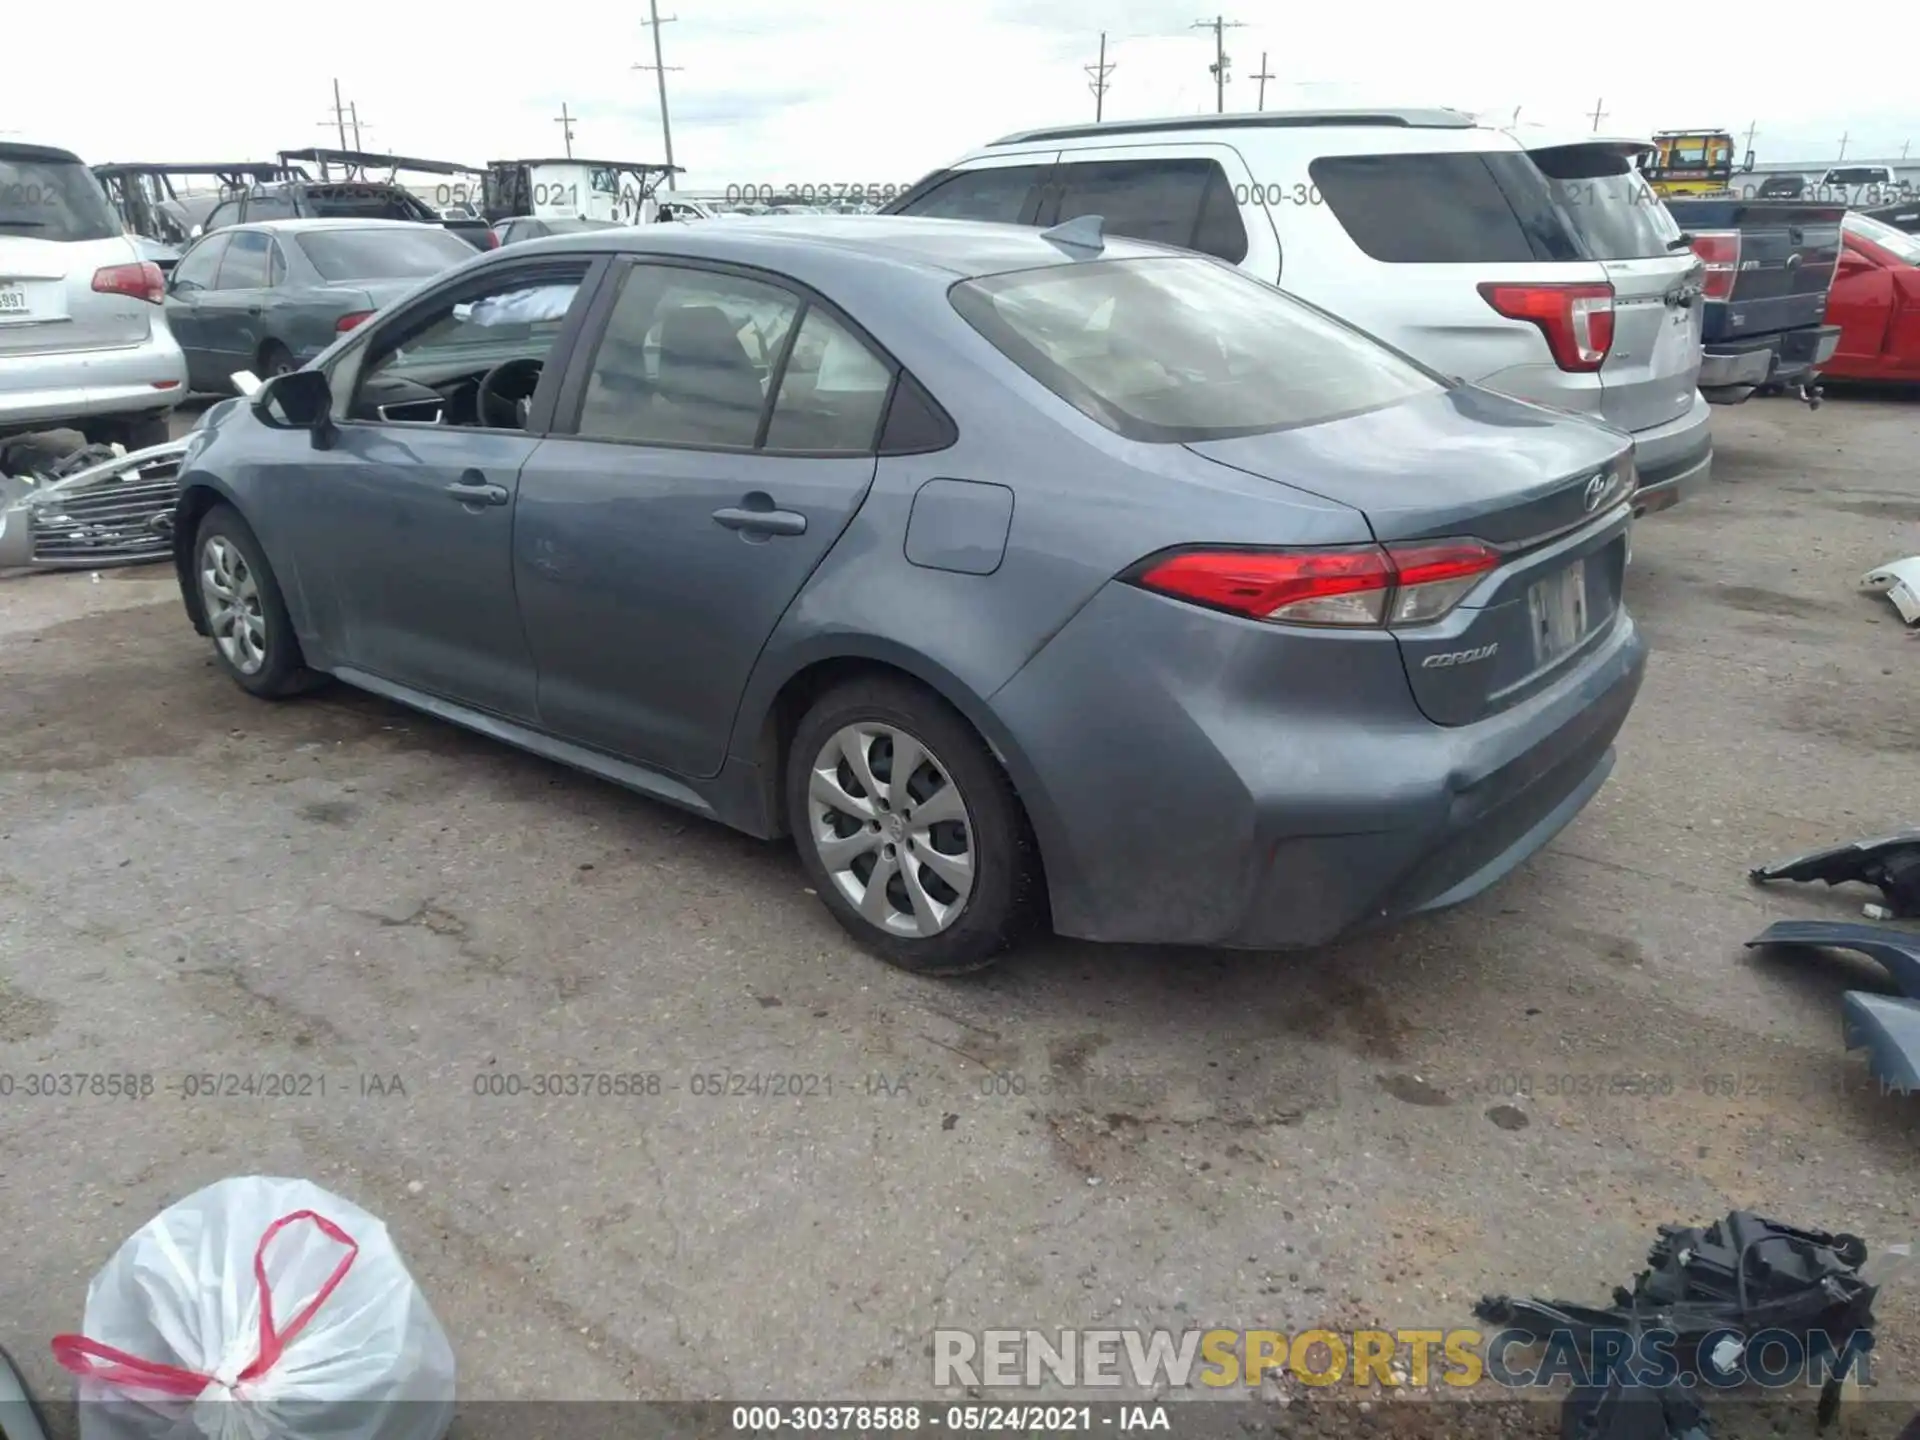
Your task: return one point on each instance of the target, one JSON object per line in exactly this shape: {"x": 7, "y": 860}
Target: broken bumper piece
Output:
{"x": 117, "y": 512}
{"x": 1887, "y": 1027}
{"x": 1891, "y": 864}
{"x": 1898, "y": 951}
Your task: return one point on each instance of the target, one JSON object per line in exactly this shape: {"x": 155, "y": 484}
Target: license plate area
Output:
{"x": 1560, "y": 613}
{"x": 15, "y": 303}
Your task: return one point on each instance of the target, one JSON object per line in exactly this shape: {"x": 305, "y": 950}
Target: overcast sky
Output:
{"x": 881, "y": 91}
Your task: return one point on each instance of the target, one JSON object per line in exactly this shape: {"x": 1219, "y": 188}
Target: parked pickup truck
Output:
{"x": 1769, "y": 266}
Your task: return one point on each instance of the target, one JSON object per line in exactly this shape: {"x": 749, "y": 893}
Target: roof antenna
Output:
{"x": 1080, "y": 233}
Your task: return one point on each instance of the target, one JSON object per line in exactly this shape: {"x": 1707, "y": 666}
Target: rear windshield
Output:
{"x": 378, "y": 254}
{"x": 53, "y": 200}
{"x": 374, "y": 202}
{"x": 1178, "y": 350}
{"x": 1609, "y": 204}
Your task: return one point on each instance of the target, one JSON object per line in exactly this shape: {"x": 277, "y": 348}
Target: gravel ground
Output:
{"x": 334, "y": 889}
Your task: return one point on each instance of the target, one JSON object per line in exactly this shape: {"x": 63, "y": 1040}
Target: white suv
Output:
{"x": 83, "y": 339}
{"x": 1543, "y": 268}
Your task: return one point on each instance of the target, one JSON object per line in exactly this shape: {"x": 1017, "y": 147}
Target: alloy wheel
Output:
{"x": 892, "y": 829}
{"x": 230, "y": 595}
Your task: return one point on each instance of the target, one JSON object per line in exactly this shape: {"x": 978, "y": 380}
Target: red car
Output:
{"x": 1875, "y": 301}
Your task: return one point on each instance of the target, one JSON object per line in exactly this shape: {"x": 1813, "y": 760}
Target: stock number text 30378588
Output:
{"x": 858, "y": 192}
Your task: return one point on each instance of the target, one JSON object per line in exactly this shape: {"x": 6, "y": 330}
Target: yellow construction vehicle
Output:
{"x": 1691, "y": 162}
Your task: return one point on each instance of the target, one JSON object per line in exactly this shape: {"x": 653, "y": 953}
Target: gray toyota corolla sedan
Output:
{"x": 1019, "y": 576}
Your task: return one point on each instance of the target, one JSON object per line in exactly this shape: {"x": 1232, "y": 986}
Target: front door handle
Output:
{"x": 762, "y": 522}
{"x": 478, "y": 492}
{"x": 253, "y": 309}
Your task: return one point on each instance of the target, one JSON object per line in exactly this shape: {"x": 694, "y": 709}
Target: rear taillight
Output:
{"x": 1719, "y": 250}
{"x": 1366, "y": 585}
{"x": 141, "y": 281}
{"x": 347, "y": 322}
{"x": 493, "y": 240}
{"x": 1577, "y": 320}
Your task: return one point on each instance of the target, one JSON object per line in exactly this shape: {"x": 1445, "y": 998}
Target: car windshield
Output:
{"x": 1610, "y": 205}
{"x": 52, "y": 199}
{"x": 382, "y": 253}
{"x": 1184, "y": 349}
{"x": 1897, "y": 242}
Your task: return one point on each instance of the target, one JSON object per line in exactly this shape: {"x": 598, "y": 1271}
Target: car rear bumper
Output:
{"x": 45, "y": 391}
{"x": 1201, "y": 823}
{"x": 1731, "y": 370}
{"x": 1674, "y": 459}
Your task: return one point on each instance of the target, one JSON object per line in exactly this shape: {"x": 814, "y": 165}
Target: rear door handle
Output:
{"x": 762, "y": 522}
{"x": 253, "y": 309}
{"x": 478, "y": 492}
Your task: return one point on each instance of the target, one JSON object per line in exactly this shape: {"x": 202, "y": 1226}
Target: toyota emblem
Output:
{"x": 1597, "y": 489}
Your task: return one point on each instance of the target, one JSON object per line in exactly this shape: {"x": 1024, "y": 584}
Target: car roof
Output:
{"x": 46, "y": 154}
{"x": 954, "y": 249}
{"x": 1392, "y": 118}
{"x": 308, "y": 224}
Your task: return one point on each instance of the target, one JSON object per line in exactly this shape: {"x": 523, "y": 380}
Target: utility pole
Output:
{"x": 353, "y": 109}
{"x": 1753, "y": 129}
{"x": 339, "y": 115}
{"x": 1263, "y": 77}
{"x": 1599, "y": 114}
{"x": 1219, "y": 25}
{"x": 1905, "y": 145}
{"x": 1843, "y": 145}
{"x": 1098, "y": 84}
{"x": 565, "y": 122}
{"x": 660, "y": 68}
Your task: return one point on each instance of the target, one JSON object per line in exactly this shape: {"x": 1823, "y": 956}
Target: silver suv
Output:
{"x": 1542, "y": 267}
{"x": 83, "y": 339}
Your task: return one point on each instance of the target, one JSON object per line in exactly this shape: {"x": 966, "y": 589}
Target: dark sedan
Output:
{"x": 1015, "y": 574}
{"x": 270, "y": 297}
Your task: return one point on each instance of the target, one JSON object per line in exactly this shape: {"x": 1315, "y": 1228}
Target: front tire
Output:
{"x": 909, "y": 829}
{"x": 253, "y": 639}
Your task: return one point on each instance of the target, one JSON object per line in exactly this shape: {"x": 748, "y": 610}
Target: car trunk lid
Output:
{"x": 1545, "y": 490}
{"x": 48, "y": 304}
{"x": 1769, "y": 263}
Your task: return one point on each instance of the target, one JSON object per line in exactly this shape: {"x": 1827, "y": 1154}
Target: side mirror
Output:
{"x": 297, "y": 400}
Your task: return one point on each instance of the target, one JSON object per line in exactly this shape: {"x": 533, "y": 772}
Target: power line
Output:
{"x": 565, "y": 122}
{"x": 1263, "y": 77}
{"x": 1219, "y": 26}
{"x": 660, "y": 68}
{"x": 1099, "y": 84}
{"x": 1599, "y": 114}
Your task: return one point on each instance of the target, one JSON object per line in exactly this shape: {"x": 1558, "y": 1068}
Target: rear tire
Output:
{"x": 247, "y": 620}
{"x": 935, "y": 869}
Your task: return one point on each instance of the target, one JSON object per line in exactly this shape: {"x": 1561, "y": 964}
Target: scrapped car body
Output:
{"x": 83, "y": 339}
{"x": 269, "y": 297}
{"x": 1875, "y": 303}
{"x": 1535, "y": 263}
{"x": 1015, "y": 575}
{"x": 118, "y": 512}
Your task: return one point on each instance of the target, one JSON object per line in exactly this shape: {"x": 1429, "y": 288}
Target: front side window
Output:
{"x": 999, "y": 192}
{"x": 1164, "y": 199}
{"x": 687, "y": 358}
{"x": 1179, "y": 350}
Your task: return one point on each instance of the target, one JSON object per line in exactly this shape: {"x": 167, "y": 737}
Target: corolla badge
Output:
{"x": 1597, "y": 489}
{"x": 1460, "y": 657}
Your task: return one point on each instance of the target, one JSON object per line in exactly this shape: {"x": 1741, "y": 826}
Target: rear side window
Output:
{"x": 53, "y": 199}
{"x": 1173, "y": 201}
{"x": 245, "y": 267}
{"x": 1445, "y": 209}
{"x": 1612, "y": 209}
{"x": 999, "y": 193}
{"x": 1183, "y": 349}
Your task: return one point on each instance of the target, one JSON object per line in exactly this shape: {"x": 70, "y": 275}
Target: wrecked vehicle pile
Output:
{"x": 65, "y": 504}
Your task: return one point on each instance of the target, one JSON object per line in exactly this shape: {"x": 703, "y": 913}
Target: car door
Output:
{"x": 1861, "y": 303}
{"x": 709, "y": 449}
{"x": 403, "y": 528}
{"x": 192, "y": 279}
{"x": 1201, "y": 196}
{"x": 230, "y": 310}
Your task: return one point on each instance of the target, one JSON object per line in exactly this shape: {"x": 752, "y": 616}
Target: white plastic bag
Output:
{"x": 254, "y": 1308}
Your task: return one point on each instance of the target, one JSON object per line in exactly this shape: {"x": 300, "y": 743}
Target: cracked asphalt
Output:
{"x": 410, "y": 924}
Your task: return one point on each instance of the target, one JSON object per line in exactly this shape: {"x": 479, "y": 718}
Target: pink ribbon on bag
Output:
{"x": 92, "y": 1360}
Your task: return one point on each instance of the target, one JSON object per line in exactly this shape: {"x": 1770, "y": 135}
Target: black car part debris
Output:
{"x": 1887, "y": 1027}
{"x": 1891, "y": 863}
{"x": 1744, "y": 1274}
